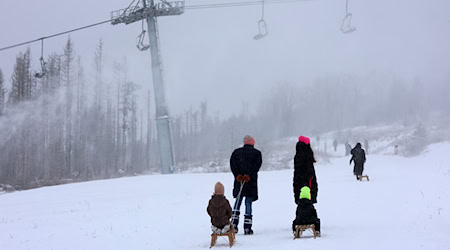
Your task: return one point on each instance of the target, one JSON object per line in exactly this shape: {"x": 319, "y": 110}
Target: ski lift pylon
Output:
{"x": 262, "y": 26}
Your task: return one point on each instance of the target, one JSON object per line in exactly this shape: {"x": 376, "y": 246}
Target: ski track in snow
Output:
{"x": 406, "y": 205}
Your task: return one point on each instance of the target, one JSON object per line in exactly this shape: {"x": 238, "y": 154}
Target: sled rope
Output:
{"x": 238, "y": 197}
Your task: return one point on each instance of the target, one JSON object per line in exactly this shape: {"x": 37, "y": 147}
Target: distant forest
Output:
{"x": 66, "y": 127}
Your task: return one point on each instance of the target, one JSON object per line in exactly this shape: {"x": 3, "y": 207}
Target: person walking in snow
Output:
{"x": 335, "y": 144}
{"x": 304, "y": 172}
{"x": 220, "y": 210}
{"x": 245, "y": 163}
{"x": 348, "y": 148}
{"x": 359, "y": 157}
{"x": 306, "y": 214}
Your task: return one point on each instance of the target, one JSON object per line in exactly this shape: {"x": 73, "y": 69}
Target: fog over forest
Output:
{"x": 92, "y": 115}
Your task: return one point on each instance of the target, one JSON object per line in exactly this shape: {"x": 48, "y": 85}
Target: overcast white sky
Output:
{"x": 210, "y": 54}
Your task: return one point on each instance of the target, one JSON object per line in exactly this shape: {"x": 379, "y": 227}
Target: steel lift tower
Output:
{"x": 150, "y": 11}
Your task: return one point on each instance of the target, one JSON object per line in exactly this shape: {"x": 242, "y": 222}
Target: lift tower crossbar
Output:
{"x": 150, "y": 11}
{"x": 137, "y": 13}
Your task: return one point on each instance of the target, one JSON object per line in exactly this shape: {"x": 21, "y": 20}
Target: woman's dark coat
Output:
{"x": 304, "y": 173}
{"x": 359, "y": 157}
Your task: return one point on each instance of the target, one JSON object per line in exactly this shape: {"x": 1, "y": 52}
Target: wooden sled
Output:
{"x": 230, "y": 235}
{"x": 300, "y": 228}
{"x": 361, "y": 177}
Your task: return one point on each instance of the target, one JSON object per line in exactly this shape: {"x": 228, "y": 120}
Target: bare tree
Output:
{"x": 2, "y": 93}
{"x": 68, "y": 74}
{"x": 21, "y": 89}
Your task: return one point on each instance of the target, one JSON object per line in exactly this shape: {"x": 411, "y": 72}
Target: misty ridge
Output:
{"x": 75, "y": 126}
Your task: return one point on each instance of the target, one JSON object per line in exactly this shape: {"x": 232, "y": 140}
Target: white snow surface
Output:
{"x": 405, "y": 205}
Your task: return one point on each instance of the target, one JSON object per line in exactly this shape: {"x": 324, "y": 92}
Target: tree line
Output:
{"x": 67, "y": 127}
{"x": 60, "y": 129}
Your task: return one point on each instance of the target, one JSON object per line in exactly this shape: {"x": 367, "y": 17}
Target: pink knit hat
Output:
{"x": 249, "y": 140}
{"x": 304, "y": 139}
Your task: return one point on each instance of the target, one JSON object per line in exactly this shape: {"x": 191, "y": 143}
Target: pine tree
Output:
{"x": 21, "y": 89}
{"x": 54, "y": 73}
{"x": 99, "y": 114}
{"x": 2, "y": 93}
{"x": 68, "y": 69}
{"x": 79, "y": 142}
{"x": 149, "y": 133}
{"x": 109, "y": 133}
{"x": 98, "y": 65}
{"x": 118, "y": 148}
{"x": 126, "y": 109}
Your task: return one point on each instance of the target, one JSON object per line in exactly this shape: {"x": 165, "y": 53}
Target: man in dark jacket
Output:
{"x": 220, "y": 210}
{"x": 306, "y": 214}
{"x": 359, "y": 157}
{"x": 245, "y": 163}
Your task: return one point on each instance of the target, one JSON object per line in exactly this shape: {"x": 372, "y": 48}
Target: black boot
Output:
{"x": 248, "y": 221}
{"x": 317, "y": 227}
{"x": 235, "y": 220}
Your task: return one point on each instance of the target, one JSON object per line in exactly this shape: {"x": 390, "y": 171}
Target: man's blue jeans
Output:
{"x": 248, "y": 221}
{"x": 248, "y": 205}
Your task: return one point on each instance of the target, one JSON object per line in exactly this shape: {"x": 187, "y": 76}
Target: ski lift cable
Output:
{"x": 165, "y": 1}
{"x": 239, "y": 4}
{"x": 54, "y": 35}
{"x": 129, "y": 6}
{"x": 190, "y": 7}
{"x": 262, "y": 15}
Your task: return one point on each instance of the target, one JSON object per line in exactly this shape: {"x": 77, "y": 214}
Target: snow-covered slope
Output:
{"x": 406, "y": 205}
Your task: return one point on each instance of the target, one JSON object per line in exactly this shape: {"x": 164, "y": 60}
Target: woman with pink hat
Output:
{"x": 304, "y": 173}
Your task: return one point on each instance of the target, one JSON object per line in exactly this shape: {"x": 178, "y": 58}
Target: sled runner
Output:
{"x": 300, "y": 228}
{"x": 230, "y": 235}
{"x": 361, "y": 177}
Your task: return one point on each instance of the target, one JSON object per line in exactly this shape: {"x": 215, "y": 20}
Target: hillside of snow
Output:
{"x": 411, "y": 140}
{"x": 405, "y": 205}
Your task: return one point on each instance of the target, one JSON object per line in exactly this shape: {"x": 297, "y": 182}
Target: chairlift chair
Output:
{"x": 262, "y": 26}
{"x": 43, "y": 71}
{"x": 346, "y": 24}
{"x": 140, "y": 40}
